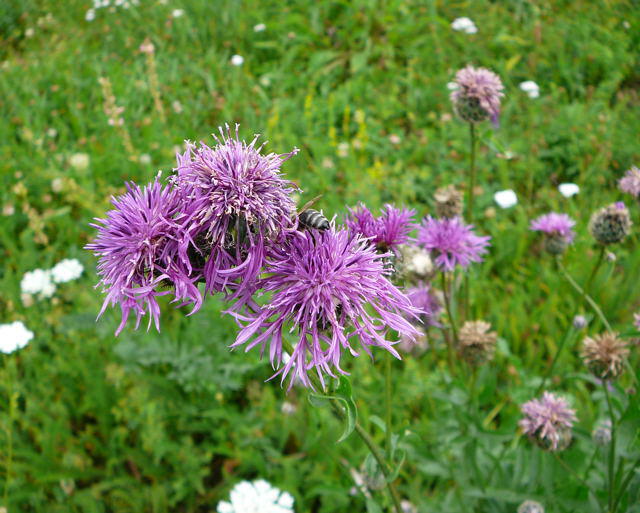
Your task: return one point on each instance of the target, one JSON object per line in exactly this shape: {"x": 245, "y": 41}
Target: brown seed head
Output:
{"x": 477, "y": 343}
{"x": 448, "y": 202}
{"x": 604, "y": 355}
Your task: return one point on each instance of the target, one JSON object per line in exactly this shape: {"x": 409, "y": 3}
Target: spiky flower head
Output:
{"x": 477, "y": 343}
{"x": 141, "y": 246}
{"x": 602, "y": 433}
{"x": 452, "y": 242}
{"x": 610, "y": 224}
{"x": 256, "y": 497}
{"x": 330, "y": 287}
{"x": 388, "y": 231}
{"x": 448, "y": 201}
{"x": 414, "y": 264}
{"x": 558, "y": 230}
{"x": 548, "y": 421}
{"x": 630, "y": 182}
{"x": 477, "y": 94}
{"x": 604, "y": 355}
{"x": 236, "y": 203}
{"x": 530, "y": 507}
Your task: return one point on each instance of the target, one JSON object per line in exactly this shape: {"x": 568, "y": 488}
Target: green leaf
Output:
{"x": 343, "y": 394}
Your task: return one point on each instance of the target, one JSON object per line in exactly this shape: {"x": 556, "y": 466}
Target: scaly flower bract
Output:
{"x": 329, "y": 287}
{"x": 477, "y": 95}
{"x": 453, "y": 242}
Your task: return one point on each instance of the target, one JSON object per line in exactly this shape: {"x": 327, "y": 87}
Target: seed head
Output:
{"x": 604, "y": 355}
{"x": 414, "y": 264}
{"x": 602, "y": 433}
{"x": 610, "y": 224}
{"x": 530, "y": 507}
{"x": 448, "y": 202}
{"x": 477, "y": 343}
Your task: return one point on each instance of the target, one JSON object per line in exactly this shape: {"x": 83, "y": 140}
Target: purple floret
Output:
{"x": 555, "y": 224}
{"x": 452, "y": 242}
{"x": 330, "y": 290}
{"x": 546, "y": 418}
{"x": 423, "y": 299}
{"x": 388, "y": 231}
{"x": 236, "y": 204}
{"x": 480, "y": 85}
{"x": 630, "y": 182}
{"x": 139, "y": 246}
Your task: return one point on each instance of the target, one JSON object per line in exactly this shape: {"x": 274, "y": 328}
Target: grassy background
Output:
{"x": 169, "y": 422}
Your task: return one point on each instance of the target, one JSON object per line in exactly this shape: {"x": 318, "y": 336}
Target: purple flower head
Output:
{"x": 555, "y": 224}
{"x": 548, "y": 421}
{"x": 388, "y": 231}
{"x": 236, "y": 203}
{"x": 330, "y": 288}
{"x": 630, "y": 182}
{"x": 453, "y": 242}
{"x": 477, "y": 94}
{"x": 139, "y": 250}
{"x": 429, "y": 307}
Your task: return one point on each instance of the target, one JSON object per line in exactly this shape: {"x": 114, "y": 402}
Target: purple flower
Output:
{"x": 636, "y": 320}
{"x": 554, "y": 224}
{"x": 236, "y": 203}
{"x": 388, "y": 232}
{"x": 548, "y": 421}
{"x": 630, "y": 182}
{"x": 330, "y": 287}
{"x": 453, "y": 242}
{"x": 476, "y": 95}
{"x": 140, "y": 246}
{"x": 429, "y": 307}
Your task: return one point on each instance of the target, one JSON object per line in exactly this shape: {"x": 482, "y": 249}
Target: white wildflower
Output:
{"x": 79, "y": 161}
{"x": 145, "y": 158}
{"x": 14, "y": 335}
{"x": 256, "y": 497}
{"x": 465, "y": 25}
{"x": 506, "y": 199}
{"x": 176, "y": 13}
{"x": 176, "y": 106}
{"x": 38, "y": 282}
{"x": 260, "y": 27}
{"x": 531, "y": 88}
{"x": 237, "y": 60}
{"x": 343, "y": 149}
{"x": 568, "y": 189}
{"x": 67, "y": 270}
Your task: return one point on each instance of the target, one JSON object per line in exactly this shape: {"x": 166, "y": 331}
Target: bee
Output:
{"x": 311, "y": 218}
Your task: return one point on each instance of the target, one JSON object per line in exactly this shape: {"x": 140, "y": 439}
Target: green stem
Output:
{"x": 625, "y": 482}
{"x": 555, "y": 360}
{"x": 612, "y": 447}
{"x": 9, "y": 454}
{"x": 594, "y": 271}
{"x": 454, "y": 330}
{"x": 586, "y": 296}
{"x": 470, "y": 201}
{"x": 388, "y": 394}
{"x": 574, "y": 474}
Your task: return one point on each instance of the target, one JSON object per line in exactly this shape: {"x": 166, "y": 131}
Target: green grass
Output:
{"x": 171, "y": 421}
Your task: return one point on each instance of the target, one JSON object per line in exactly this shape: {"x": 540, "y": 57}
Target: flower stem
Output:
{"x": 574, "y": 474}
{"x": 594, "y": 271}
{"x": 625, "y": 483}
{"x": 445, "y": 293}
{"x": 470, "y": 199}
{"x": 612, "y": 447}
{"x": 388, "y": 386}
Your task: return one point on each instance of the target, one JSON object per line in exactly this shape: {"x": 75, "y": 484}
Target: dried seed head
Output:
{"x": 604, "y": 355}
{"x": 414, "y": 264}
{"x": 477, "y": 343}
{"x": 610, "y": 224}
{"x": 448, "y": 202}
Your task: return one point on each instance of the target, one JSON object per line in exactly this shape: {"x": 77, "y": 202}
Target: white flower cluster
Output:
{"x": 42, "y": 283}
{"x": 14, "y": 335}
{"x": 531, "y": 88}
{"x": 90, "y": 15}
{"x": 256, "y": 497}
{"x": 506, "y": 198}
{"x": 465, "y": 25}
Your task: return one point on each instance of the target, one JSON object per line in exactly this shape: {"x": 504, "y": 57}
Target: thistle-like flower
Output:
{"x": 610, "y": 224}
{"x": 558, "y": 230}
{"x": 140, "y": 257}
{"x": 630, "y": 182}
{"x": 453, "y": 242}
{"x": 448, "y": 202}
{"x": 548, "y": 421}
{"x": 604, "y": 355}
{"x": 236, "y": 204}
{"x": 330, "y": 288}
{"x": 477, "y": 94}
{"x": 477, "y": 343}
{"x": 427, "y": 304}
{"x": 388, "y": 231}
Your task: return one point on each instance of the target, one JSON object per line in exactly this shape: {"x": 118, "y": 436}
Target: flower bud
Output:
{"x": 610, "y": 224}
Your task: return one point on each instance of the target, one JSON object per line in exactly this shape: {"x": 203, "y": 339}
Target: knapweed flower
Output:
{"x": 630, "y": 182}
{"x": 236, "y": 203}
{"x": 448, "y": 202}
{"x": 141, "y": 246}
{"x": 548, "y": 421}
{"x": 465, "y": 25}
{"x": 604, "y": 355}
{"x": 602, "y": 433}
{"x": 610, "y": 224}
{"x": 530, "y": 507}
{"x": 330, "y": 287}
{"x": 256, "y": 497}
{"x": 13, "y": 336}
{"x": 477, "y": 95}
{"x": 67, "y": 270}
{"x": 388, "y": 231}
{"x": 558, "y": 230}
{"x": 38, "y": 282}
{"x": 452, "y": 242}
{"x": 568, "y": 189}
{"x": 506, "y": 198}
{"x": 427, "y": 304}
{"x": 531, "y": 88}
{"x": 477, "y": 343}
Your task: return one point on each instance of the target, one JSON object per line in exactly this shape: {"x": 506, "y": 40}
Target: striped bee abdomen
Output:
{"x": 311, "y": 218}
